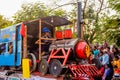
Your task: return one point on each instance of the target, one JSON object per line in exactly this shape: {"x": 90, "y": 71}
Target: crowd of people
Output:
{"x": 106, "y": 59}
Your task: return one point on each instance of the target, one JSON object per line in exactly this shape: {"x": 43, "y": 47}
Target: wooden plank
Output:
{"x": 51, "y": 39}
{"x": 48, "y": 38}
{"x": 25, "y": 43}
{"x": 40, "y": 39}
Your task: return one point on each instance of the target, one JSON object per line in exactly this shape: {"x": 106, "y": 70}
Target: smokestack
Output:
{"x": 79, "y": 10}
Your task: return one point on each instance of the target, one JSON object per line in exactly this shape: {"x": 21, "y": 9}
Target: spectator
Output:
{"x": 116, "y": 51}
{"x": 97, "y": 63}
{"x": 102, "y": 70}
{"x": 108, "y": 74}
{"x": 111, "y": 55}
{"x": 105, "y": 44}
{"x": 95, "y": 52}
{"x": 100, "y": 56}
{"x": 116, "y": 62}
{"x": 105, "y": 57}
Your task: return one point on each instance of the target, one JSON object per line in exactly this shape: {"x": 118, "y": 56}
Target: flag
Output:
{"x": 22, "y": 30}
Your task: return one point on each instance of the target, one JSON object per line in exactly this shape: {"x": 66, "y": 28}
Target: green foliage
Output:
{"x": 113, "y": 31}
{"x": 59, "y": 12}
{"x": 86, "y": 36}
{"x": 4, "y": 22}
{"x": 115, "y": 4}
{"x": 30, "y": 11}
{"x": 89, "y": 13}
{"x": 100, "y": 26}
{"x": 93, "y": 26}
{"x": 72, "y": 14}
{"x": 97, "y": 22}
{"x": 74, "y": 35}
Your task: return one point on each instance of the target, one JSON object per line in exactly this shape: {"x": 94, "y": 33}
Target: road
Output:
{"x": 6, "y": 75}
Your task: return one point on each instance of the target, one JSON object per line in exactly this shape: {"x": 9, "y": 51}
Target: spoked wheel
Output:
{"x": 32, "y": 62}
{"x": 55, "y": 67}
{"x": 43, "y": 66}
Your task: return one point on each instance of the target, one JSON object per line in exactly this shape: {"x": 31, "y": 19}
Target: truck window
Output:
{"x": 2, "y": 48}
{"x": 10, "y": 47}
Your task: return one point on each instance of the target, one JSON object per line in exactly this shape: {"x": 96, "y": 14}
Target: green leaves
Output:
{"x": 113, "y": 31}
{"x": 30, "y": 11}
{"x": 4, "y": 22}
{"x": 59, "y": 12}
{"x": 100, "y": 25}
{"x": 115, "y": 5}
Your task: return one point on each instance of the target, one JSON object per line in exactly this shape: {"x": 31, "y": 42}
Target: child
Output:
{"x": 116, "y": 64}
{"x": 108, "y": 74}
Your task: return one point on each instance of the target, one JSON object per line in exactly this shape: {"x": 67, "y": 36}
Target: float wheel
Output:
{"x": 32, "y": 62}
{"x": 43, "y": 67}
{"x": 55, "y": 67}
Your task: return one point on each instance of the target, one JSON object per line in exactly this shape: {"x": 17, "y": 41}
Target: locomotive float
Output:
{"x": 66, "y": 55}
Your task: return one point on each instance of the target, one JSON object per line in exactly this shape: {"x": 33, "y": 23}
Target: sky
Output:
{"x": 9, "y": 7}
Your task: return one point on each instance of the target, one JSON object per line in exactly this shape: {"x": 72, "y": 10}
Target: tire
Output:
{"x": 43, "y": 67}
{"x": 36, "y": 54}
{"x": 32, "y": 61}
{"x": 55, "y": 68}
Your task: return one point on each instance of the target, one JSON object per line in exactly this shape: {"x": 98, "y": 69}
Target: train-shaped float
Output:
{"x": 63, "y": 55}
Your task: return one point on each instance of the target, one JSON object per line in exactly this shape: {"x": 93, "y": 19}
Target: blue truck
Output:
{"x": 10, "y": 46}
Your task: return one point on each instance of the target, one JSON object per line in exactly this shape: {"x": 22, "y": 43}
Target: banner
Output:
{"x": 22, "y": 30}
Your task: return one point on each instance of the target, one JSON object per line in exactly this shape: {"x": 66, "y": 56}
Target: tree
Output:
{"x": 109, "y": 29}
{"x": 4, "y": 22}
{"x": 31, "y": 11}
{"x": 94, "y": 11}
{"x": 59, "y": 12}
{"x": 115, "y": 5}
{"x": 113, "y": 23}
